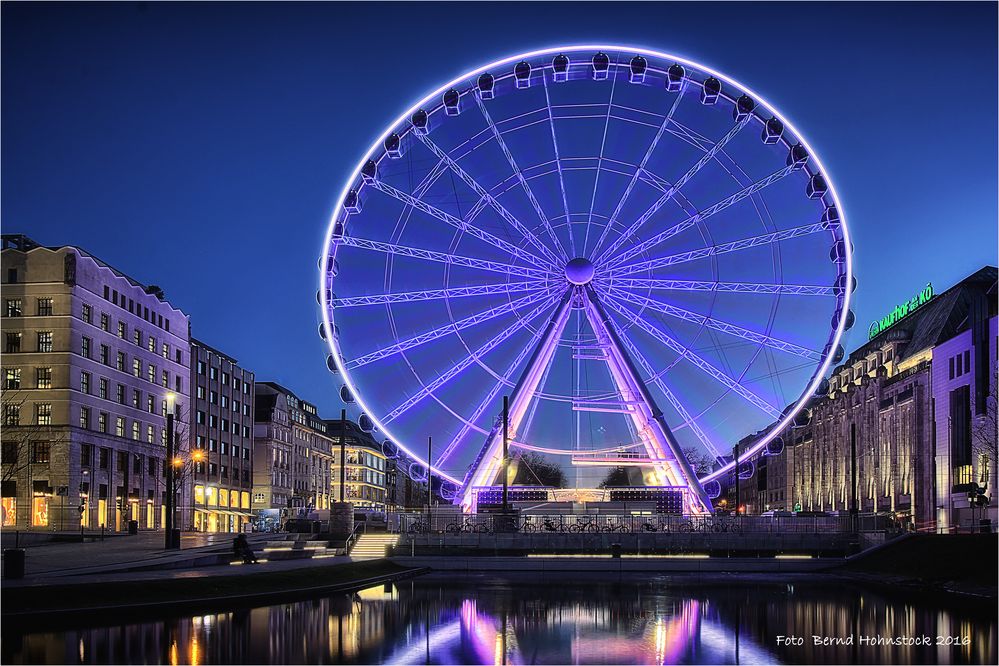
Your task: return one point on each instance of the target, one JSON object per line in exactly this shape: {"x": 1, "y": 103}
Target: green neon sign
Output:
{"x": 900, "y": 311}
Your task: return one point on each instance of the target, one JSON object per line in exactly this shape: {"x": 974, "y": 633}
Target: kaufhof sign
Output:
{"x": 900, "y": 312}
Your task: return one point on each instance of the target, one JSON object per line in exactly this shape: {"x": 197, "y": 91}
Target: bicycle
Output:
{"x": 588, "y": 527}
{"x": 550, "y": 525}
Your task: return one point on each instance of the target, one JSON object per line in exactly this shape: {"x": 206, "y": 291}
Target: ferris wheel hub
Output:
{"x": 579, "y": 271}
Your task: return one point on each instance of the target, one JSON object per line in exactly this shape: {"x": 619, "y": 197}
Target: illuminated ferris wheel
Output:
{"x": 640, "y": 252}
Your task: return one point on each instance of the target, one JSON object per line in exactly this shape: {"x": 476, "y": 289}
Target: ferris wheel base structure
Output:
{"x": 670, "y": 467}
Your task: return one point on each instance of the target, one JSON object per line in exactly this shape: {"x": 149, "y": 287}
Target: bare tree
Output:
{"x": 18, "y": 439}
{"x": 700, "y": 461}
{"x": 985, "y": 432}
{"x": 533, "y": 468}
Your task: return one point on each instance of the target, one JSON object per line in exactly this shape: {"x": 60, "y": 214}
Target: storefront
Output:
{"x": 220, "y": 509}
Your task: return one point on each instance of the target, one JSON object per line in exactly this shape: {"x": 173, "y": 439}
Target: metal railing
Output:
{"x": 451, "y": 523}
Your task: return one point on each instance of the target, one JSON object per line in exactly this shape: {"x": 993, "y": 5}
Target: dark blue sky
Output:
{"x": 200, "y": 147}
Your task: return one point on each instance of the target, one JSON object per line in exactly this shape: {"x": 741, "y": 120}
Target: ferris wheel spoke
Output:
{"x": 707, "y": 285}
{"x": 698, "y": 362}
{"x": 723, "y": 248}
{"x": 672, "y": 191}
{"x": 659, "y": 382}
{"x": 558, "y": 166}
{"x": 457, "y": 223}
{"x": 600, "y": 162}
{"x": 474, "y": 357}
{"x": 438, "y": 294}
{"x": 716, "y": 324}
{"x": 493, "y": 203}
{"x": 504, "y": 380}
{"x": 442, "y": 258}
{"x": 639, "y": 170}
{"x": 714, "y": 209}
{"x": 448, "y": 329}
{"x": 520, "y": 177}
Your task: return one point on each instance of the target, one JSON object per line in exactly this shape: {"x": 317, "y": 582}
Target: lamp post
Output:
{"x": 171, "y": 541}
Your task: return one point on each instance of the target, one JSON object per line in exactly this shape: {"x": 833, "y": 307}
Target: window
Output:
{"x": 150, "y": 435}
{"x": 201, "y": 417}
{"x": 13, "y": 307}
{"x": 201, "y": 367}
{"x": 201, "y": 392}
{"x": 166, "y": 350}
{"x": 213, "y": 397}
{"x": 151, "y": 469}
{"x": 122, "y": 330}
{"x": 85, "y": 418}
{"x": 12, "y": 275}
{"x": 104, "y": 458}
{"x": 85, "y": 347}
{"x": 44, "y": 341}
{"x": 120, "y": 394}
{"x": 102, "y": 422}
{"x": 105, "y": 321}
{"x": 40, "y": 452}
{"x": 150, "y": 404}
{"x": 86, "y": 455}
{"x": 105, "y": 355}
{"x": 43, "y": 413}
{"x": 137, "y": 464}
{"x": 151, "y": 373}
{"x": 44, "y": 307}
{"x": 166, "y": 379}
{"x": 225, "y": 378}
{"x": 960, "y": 370}
{"x": 120, "y": 363}
{"x": 135, "y": 430}
{"x": 213, "y": 373}
{"x": 176, "y": 384}
{"x": 13, "y": 343}
{"x": 43, "y": 378}
{"x": 137, "y": 398}
{"x": 119, "y": 426}
{"x": 137, "y": 367}
{"x": 85, "y": 383}
{"x": 967, "y": 360}
{"x": 137, "y": 337}
{"x": 225, "y": 402}
{"x": 87, "y": 314}
{"x": 960, "y": 427}
{"x": 12, "y": 378}
{"x": 152, "y": 344}
{"x": 103, "y": 388}
{"x": 11, "y": 414}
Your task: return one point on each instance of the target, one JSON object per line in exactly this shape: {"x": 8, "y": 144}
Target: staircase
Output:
{"x": 371, "y": 545}
{"x": 300, "y": 546}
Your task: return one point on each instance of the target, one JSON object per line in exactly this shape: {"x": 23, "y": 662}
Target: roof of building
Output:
{"x": 22, "y": 243}
{"x": 941, "y": 318}
{"x": 205, "y": 345}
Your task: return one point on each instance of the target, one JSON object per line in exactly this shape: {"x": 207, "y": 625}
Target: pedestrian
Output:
{"x": 241, "y": 548}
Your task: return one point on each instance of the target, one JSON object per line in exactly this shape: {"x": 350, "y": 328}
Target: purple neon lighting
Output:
{"x": 842, "y": 229}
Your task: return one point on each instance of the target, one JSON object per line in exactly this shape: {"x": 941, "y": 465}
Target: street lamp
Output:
{"x": 172, "y": 541}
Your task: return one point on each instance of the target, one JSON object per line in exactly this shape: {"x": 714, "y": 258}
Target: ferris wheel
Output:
{"x": 640, "y": 253}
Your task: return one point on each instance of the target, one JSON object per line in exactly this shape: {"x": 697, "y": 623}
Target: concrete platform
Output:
{"x": 607, "y": 564}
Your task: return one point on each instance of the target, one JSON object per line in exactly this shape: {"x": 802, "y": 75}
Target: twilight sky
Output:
{"x": 201, "y": 146}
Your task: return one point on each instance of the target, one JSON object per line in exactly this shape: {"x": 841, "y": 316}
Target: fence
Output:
{"x": 452, "y": 523}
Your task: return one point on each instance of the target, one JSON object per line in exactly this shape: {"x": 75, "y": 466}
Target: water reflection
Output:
{"x": 488, "y": 620}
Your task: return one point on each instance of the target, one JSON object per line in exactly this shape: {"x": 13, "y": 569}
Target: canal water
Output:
{"x": 438, "y": 619}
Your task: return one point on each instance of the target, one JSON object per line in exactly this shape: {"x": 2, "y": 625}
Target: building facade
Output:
{"x": 221, "y": 476}
{"x": 92, "y": 358}
{"x": 366, "y": 468}
{"x": 295, "y": 456}
{"x": 907, "y": 415}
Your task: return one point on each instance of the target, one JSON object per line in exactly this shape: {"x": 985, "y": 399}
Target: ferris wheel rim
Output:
{"x": 843, "y": 301}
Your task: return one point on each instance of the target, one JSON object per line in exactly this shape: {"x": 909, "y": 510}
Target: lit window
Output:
{"x": 43, "y": 413}
{"x": 13, "y": 307}
{"x": 44, "y": 307}
{"x": 87, "y": 314}
{"x": 43, "y": 377}
{"x": 12, "y": 378}
{"x": 45, "y": 341}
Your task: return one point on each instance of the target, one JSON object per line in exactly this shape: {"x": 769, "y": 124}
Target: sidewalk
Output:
{"x": 52, "y": 559}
